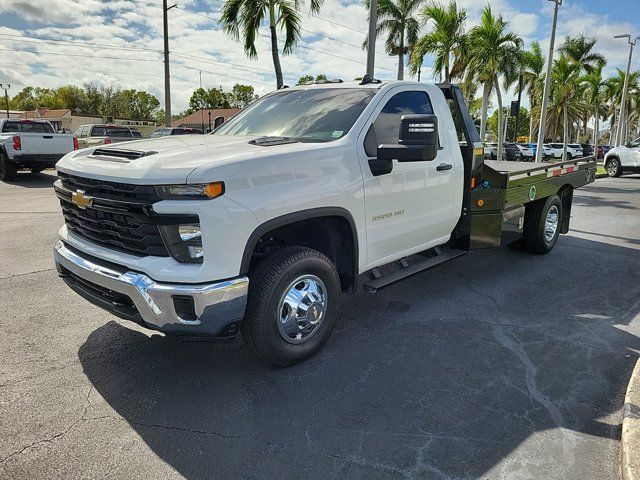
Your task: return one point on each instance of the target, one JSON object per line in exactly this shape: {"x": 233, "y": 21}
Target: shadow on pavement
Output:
{"x": 444, "y": 375}
{"x": 34, "y": 180}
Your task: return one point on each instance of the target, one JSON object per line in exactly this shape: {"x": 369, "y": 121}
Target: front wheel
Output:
{"x": 613, "y": 167}
{"x": 293, "y": 303}
{"x": 542, "y": 224}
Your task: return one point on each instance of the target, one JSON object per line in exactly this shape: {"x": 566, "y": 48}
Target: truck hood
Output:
{"x": 163, "y": 160}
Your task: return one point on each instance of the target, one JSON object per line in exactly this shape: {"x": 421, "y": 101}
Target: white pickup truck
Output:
{"x": 261, "y": 226}
{"x": 623, "y": 159}
{"x": 30, "y": 144}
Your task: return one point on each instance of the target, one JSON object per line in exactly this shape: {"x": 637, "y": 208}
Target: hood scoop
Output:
{"x": 268, "y": 141}
{"x": 119, "y": 155}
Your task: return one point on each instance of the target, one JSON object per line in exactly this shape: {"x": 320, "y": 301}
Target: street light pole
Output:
{"x": 371, "y": 39}
{"x": 620, "y": 135}
{"x": 6, "y": 95}
{"x": 167, "y": 76}
{"x": 547, "y": 83}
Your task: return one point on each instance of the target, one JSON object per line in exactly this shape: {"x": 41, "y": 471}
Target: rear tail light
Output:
{"x": 107, "y": 141}
{"x": 75, "y": 143}
{"x": 17, "y": 143}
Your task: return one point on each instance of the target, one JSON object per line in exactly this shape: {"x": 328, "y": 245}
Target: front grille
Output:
{"x": 119, "y": 231}
{"x": 120, "y": 216}
{"x": 110, "y": 190}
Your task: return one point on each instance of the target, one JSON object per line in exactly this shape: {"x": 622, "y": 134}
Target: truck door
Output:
{"x": 413, "y": 207}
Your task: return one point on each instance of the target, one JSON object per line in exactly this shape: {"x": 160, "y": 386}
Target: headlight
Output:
{"x": 184, "y": 242}
{"x": 196, "y": 191}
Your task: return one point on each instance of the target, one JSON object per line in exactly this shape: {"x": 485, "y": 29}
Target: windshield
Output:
{"x": 27, "y": 127}
{"x": 315, "y": 115}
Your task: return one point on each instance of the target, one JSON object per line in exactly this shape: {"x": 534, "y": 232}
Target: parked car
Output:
{"x": 491, "y": 151}
{"x": 573, "y": 150}
{"x": 104, "y": 134}
{"x": 31, "y": 144}
{"x": 260, "y": 227}
{"x": 513, "y": 153}
{"x": 623, "y": 159}
{"x": 577, "y": 148}
{"x": 587, "y": 149}
{"x": 525, "y": 151}
{"x": 605, "y": 149}
{"x": 601, "y": 152}
{"x": 166, "y": 131}
{"x": 547, "y": 152}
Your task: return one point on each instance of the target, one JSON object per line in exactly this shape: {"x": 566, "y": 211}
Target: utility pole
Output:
{"x": 202, "y": 107}
{"x": 6, "y": 95}
{"x": 167, "y": 76}
{"x": 620, "y": 134}
{"x": 371, "y": 39}
{"x": 547, "y": 83}
{"x": 517, "y": 126}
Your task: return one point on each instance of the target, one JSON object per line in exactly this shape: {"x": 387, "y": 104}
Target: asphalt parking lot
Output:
{"x": 498, "y": 365}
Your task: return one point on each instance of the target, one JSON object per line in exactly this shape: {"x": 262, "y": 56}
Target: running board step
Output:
{"x": 442, "y": 256}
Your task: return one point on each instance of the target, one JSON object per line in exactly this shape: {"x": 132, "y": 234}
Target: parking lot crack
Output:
{"x": 15, "y": 275}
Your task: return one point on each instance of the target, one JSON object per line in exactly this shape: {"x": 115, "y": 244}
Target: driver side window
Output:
{"x": 386, "y": 128}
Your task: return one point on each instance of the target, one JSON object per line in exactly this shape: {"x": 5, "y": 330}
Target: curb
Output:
{"x": 630, "y": 441}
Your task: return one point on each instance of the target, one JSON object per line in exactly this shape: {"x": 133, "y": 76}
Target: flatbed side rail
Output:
{"x": 509, "y": 188}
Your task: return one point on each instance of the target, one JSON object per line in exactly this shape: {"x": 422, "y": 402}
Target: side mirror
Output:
{"x": 418, "y": 140}
{"x": 217, "y": 122}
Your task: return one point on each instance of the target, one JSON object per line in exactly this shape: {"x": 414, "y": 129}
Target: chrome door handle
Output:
{"x": 444, "y": 166}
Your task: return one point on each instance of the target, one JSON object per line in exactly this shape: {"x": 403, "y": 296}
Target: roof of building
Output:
{"x": 201, "y": 116}
{"x": 46, "y": 113}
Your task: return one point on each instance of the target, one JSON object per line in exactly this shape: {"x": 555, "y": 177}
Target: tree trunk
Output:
{"x": 596, "y": 130}
{"x": 565, "y": 133}
{"x": 274, "y": 47}
{"x": 486, "y": 91}
{"x": 401, "y": 57}
{"x": 447, "y": 72}
{"x": 500, "y": 137}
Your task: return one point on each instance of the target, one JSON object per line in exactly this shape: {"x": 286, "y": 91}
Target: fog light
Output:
{"x": 189, "y": 232}
{"x": 184, "y": 242}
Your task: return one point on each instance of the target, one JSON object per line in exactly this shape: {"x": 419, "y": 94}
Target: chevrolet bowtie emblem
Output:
{"x": 81, "y": 200}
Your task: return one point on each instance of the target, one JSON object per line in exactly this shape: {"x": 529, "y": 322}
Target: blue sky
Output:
{"x": 54, "y": 42}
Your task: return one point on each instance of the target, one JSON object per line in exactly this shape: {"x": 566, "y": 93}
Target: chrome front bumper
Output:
{"x": 214, "y": 308}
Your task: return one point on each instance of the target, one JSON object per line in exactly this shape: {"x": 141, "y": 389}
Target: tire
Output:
{"x": 8, "y": 169}
{"x": 263, "y": 328}
{"x": 613, "y": 167}
{"x": 536, "y": 238}
{"x": 36, "y": 170}
{"x": 569, "y": 156}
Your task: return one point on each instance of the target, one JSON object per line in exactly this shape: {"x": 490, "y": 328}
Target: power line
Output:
{"x": 49, "y": 41}
{"x": 301, "y": 46}
{"x": 80, "y": 55}
{"x": 56, "y": 67}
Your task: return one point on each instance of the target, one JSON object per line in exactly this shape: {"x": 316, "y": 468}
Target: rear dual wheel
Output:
{"x": 542, "y": 224}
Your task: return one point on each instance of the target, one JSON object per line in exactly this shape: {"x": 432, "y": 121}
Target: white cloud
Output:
{"x": 198, "y": 42}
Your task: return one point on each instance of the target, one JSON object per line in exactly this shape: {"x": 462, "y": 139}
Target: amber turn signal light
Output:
{"x": 214, "y": 189}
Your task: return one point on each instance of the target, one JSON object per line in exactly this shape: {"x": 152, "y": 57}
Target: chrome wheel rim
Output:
{"x": 612, "y": 167}
{"x": 551, "y": 223}
{"x": 302, "y": 309}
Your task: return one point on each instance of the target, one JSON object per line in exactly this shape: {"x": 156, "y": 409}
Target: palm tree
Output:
{"x": 533, "y": 62}
{"x": 594, "y": 98}
{"x": 397, "y": 19}
{"x": 446, "y": 39}
{"x": 565, "y": 78}
{"x": 247, "y": 16}
{"x": 579, "y": 50}
{"x": 613, "y": 94}
{"x": 495, "y": 53}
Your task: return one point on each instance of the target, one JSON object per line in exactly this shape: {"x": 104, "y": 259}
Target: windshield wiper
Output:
{"x": 268, "y": 141}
